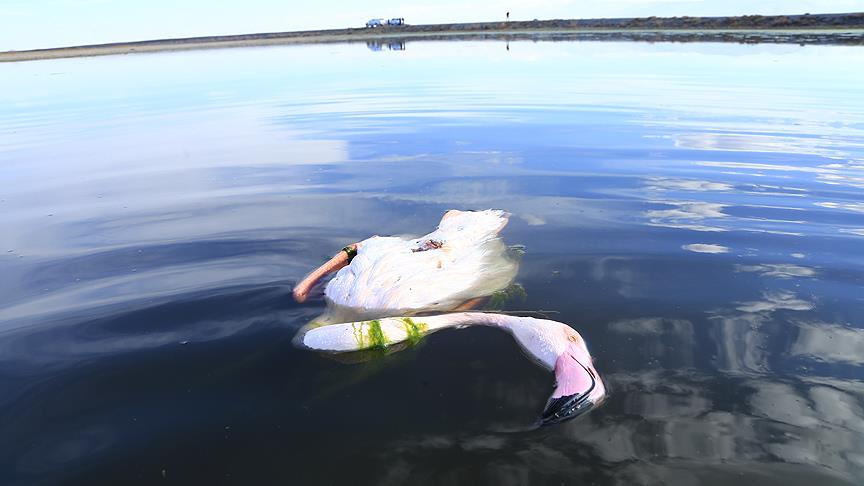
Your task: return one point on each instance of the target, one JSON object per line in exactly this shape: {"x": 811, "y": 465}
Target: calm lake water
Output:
{"x": 696, "y": 211}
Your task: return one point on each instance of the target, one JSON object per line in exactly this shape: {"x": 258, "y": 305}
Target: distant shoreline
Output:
{"x": 846, "y": 29}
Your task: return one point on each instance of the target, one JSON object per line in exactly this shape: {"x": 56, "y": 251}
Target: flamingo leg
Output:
{"x": 340, "y": 260}
{"x": 469, "y": 304}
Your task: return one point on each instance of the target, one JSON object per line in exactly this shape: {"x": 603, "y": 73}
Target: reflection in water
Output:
{"x": 830, "y": 342}
{"x": 856, "y": 207}
{"x": 706, "y": 248}
{"x": 828, "y": 148}
{"x": 782, "y": 270}
{"x": 825, "y": 174}
{"x": 377, "y": 45}
{"x": 787, "y": 419}
{"x": 687, "y": 215}
{"x": 666, "y": 184}
{"x": 772, "y": 301}
{"x": 156, "y": 218}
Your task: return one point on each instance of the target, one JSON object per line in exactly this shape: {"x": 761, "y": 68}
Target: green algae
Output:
{"x": 376, "y": 336}
{"x": 501, "y": 298}
{"x": 414, "y": 330}
{"x": 368, "y": 334}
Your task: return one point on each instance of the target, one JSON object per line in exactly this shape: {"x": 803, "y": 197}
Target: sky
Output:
{"x": 34, "y": 24}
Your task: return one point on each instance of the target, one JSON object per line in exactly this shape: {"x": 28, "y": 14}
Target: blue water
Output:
{"x": 696, "y": 211}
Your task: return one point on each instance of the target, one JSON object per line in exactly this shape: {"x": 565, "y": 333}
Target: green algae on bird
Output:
{"x": 369, "y": 334}
{"x": 377, "y": 339}
{"x": 414, "y": 330}
{"x": 372, "y": 343}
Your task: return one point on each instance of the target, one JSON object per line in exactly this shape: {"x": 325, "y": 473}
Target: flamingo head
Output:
{"x": 578, "y": 386}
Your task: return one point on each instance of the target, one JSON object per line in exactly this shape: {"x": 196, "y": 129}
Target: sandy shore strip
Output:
{"x": 846, "y": 29}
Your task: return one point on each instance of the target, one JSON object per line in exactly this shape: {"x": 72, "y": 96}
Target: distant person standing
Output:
{"x": 508, "y": 15}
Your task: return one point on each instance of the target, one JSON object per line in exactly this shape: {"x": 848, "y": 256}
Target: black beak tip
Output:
{"x": 566, "y": 408}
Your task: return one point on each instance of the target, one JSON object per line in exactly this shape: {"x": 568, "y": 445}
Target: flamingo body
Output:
{"x": 462, "y": 259}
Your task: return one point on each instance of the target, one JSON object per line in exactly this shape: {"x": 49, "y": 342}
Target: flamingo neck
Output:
{"x": 475, "y": 318}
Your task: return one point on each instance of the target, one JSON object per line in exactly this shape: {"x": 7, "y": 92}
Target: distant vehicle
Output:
{"x": 396, "y": 21}
{"x": 375, "y": 23}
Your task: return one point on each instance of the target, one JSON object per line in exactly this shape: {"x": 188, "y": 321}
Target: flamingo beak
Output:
{"x": 566, "y": 408}
{"x": 578, "y": 390}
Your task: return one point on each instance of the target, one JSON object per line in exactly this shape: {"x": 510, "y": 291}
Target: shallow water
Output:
{"x": 695, "y": 211}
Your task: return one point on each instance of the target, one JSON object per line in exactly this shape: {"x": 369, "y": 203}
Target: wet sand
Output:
{"x": 803, "y": 29}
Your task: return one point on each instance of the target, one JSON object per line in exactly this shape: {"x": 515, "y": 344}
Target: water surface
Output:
{"x": 696, "y": 211}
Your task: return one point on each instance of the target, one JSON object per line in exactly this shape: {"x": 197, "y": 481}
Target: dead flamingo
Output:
{"x": 450, "y": 269}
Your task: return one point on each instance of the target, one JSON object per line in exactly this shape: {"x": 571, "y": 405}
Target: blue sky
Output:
{"x": 31, "y": 24}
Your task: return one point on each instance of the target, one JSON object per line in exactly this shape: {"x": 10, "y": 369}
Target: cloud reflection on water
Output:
{"x": 687, "y": 422}
{"x": 748, "y": 142}
{"x": 689, "y": 185}
{"x": 854, "y": 207}
{"x": 687, "y": 215}
{"x": 706, "y": 248}
{"x": 772, "y": 301}
{"x": 781, "y": 270}
{"x": 831, "y": 343}
{"x": 688, "y": 432}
